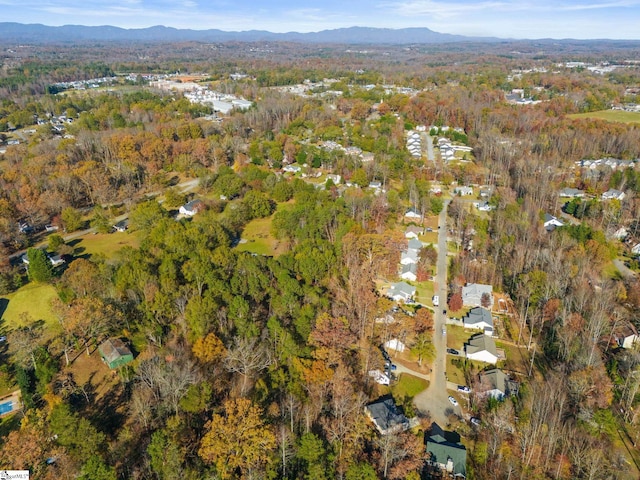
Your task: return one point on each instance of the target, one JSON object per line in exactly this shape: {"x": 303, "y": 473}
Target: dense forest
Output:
{"x": 253, "y": 324}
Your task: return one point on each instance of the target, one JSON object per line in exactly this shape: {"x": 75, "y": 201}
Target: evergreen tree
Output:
{"x": 39, "y": 266}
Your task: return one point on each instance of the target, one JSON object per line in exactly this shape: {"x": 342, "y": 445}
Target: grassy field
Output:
{"x": 257, "y": 238}
{"x": 105, "y": 243}
{"x": 611, "y": 116}
{"x": 409, "y": 386}
{"x": 457, "y": 336}
{"x": 424, "y": 292}
{"x": 33, "y": 298}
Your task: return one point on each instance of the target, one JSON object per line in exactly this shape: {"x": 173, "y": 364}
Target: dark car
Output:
{"x": 453, "y": 351}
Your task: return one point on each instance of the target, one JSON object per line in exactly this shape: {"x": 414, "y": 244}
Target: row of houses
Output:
{"x": 414, "y": 144}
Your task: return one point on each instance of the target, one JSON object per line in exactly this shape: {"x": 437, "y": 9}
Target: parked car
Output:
{"x": 475, "y": 421}
{"x": 436, "y": 300}
{"x": 453, "y": 351}
{"x": 453, "y": 401}
{"x": 3, "y": 339}
{"x": 51, "y": 228}
{"x": 463, "y": 388}
{"x": 444, "y": 331}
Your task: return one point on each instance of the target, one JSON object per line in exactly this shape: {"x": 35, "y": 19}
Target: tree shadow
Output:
{"x": 4, "y": 303}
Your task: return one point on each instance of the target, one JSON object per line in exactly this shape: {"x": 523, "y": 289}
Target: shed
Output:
{"x": 115, "y": 353}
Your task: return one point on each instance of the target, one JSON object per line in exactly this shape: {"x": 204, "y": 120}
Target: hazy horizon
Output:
{"x": 588, "y": 19}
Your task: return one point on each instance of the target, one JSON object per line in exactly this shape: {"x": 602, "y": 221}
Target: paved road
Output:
{"x": 435, "y": 399}
{"x": 625, "y": 271}
{"x": 428, "y": 141}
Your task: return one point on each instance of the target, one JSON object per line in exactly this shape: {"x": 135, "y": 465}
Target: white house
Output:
{"x": 483, "y": 206}
{"x": 415, "y": 244}
{"x": 626, "y": 336}
{"x": 409, "y": 272}
{"x": 379, "y": 377}
{"x": 496, "y": 384}
{"x": 472, "y": 294}
{"x": 413, "y": 232}
{"x": 479, "y": 319}
{"x": 412, "y": 214}
{"x": 551, "y": 222}
{"x": 191, "y": 208}
{"x": 395, "y": 344}
{"x": 613, "y": 194}
{"x": 401, "y": 291}
{"x": 482, "y": 347}
{"x": 409, "y": 256}
{"x": 571, "y": 193}
{"x": 463, "y": 191}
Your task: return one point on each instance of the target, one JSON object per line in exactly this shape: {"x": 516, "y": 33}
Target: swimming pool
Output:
{"x": 6, "y": 407}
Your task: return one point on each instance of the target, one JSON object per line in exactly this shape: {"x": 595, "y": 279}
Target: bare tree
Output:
{"x": 247, "y": 358}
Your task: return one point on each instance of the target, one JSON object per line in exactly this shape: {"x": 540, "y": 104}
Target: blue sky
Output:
{"x": 500, "y": 18}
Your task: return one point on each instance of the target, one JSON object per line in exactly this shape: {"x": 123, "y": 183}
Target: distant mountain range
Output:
{"x": 36, "y": 33}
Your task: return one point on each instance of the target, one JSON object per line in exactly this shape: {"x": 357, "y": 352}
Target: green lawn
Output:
{"x": 611, "y": 116}
{"x": 430, "y": 237}
{"x": 257, "y": 238}
{"x": 105, "y": 243}
{"x": 457, "y": 336}
{"x": 424, "y": 292}
{"x": 409, "y": 386}
{"x": 33, "y": 298}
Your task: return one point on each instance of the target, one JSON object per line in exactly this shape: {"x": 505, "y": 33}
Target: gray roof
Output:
{"x": 410, "y": 254}
{"x": 415, "y": 244}
{"x": 411, "y": 268}
{"x": 494, "y": 379}
{"x": 192, "y": 205}
{"x": 478, "y": 315}
{"x": 571, "y": 192}
{"x": 113, "y": 348}
{"x": 402, "y": 287}
{"x": 472, "y": 293}
{"x": 443, "y": 449}
{"x": 386, "y": 416}
{"x": 481, "y": 342}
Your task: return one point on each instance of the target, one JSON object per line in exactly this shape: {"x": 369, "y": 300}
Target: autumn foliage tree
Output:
{"x": 237, "y": 441}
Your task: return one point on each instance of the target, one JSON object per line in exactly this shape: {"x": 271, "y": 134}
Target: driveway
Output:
{"x": 434, "y": 400}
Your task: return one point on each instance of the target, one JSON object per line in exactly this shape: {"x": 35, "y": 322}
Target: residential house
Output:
{"x": 446, "y": 452}
{"x": 409, "y": 256}
{"x": 479, "y": 319}
{"x": 379, "y": 377}
{"x": 636, "y": 249}
{"x": 401, "y": 291}
{"x": 412, "y": 214}
{"x": 395, "y": 344}
{"x": 496, "y": 384}
{"x": 483, "y": 206}
{"x": 551, "y": 222}
{"x": 409, "y": 272}
{"x": 292, "y": 168}
{"x": 472, "y": 295}
{"x": 571, "y": 193}
{"x": 413, "y": 231}
{"x": 191, "y": 208}
{"x": 115, "y": 353}
{"x": 482, "y": 347}
{"x": 386, "y": 417}
{"x": 463, "y": 191}
{"x": 626, "y": 335}
{"x": 613, "y": 194}
{"x": 415, "y": 244}
{"x": 121, "y": 226}
{"x": 621, "y": 233}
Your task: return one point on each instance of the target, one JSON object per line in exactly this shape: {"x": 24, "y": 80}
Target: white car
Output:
{"x": 436, "y": 300}
{"x": 453, "y": 401}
